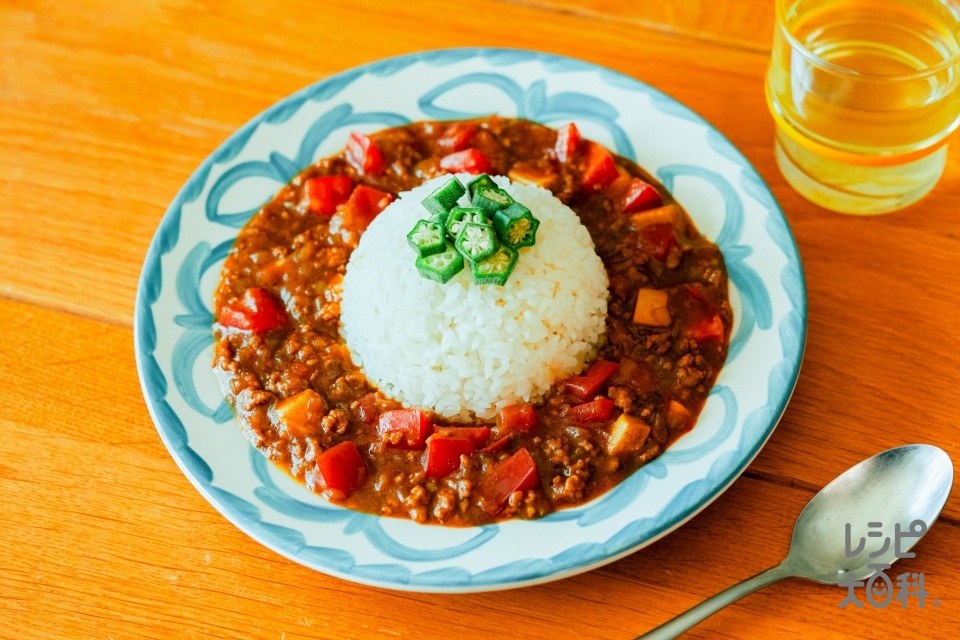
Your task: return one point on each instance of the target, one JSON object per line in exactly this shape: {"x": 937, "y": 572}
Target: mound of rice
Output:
{"x": 462, "y": 349}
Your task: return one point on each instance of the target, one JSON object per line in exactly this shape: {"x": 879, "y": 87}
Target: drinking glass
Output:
{"x": 864, "y": 94}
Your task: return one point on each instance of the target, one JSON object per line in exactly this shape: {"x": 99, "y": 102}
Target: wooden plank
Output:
{"x": 106, "y": 537}
{"x": 747, "y": 25}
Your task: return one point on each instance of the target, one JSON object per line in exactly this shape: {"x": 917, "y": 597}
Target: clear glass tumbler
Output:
{"x": 864, "y": 94}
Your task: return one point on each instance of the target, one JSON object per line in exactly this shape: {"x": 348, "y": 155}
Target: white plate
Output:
{"x": 725, "y": 196}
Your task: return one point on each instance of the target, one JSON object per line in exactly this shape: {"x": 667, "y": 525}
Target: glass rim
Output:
{"x": 841, "y": 70}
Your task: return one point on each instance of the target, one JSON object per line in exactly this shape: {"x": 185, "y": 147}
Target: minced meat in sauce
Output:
{"x": 302, "y": 402}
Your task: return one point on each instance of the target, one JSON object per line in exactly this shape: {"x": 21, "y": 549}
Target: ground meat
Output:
{"x": 690, "y": 371}
{"x": 444, "y": 503}
{"x": 622, "y": 397}
{"x": 558, "y": 452}
{"x": 335, "y": 422}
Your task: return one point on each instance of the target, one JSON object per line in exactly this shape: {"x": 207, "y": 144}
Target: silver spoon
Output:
{"x": 897, "y": 487}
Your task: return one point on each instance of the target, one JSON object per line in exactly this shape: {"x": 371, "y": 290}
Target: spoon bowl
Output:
{"x": 871, "y": 515}
{"x": 891, "y": 491}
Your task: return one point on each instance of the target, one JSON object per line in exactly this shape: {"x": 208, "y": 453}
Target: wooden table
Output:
{"x": 105, "y": 110}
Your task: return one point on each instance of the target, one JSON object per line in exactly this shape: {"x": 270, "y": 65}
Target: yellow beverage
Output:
{"x": 864, "y": 94}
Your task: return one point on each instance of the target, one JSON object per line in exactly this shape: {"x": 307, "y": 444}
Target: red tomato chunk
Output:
{"x": 325, "y": 193}
{"x": 497, "y": 445}
{"x": 341, "y": 468}
{"x": 404, "y": 428}
{"x": 704, "y": 323}
{"x": 256, "y": 311}
{"x": 587, "y": 385}
{"x": 442, "y": 456}
{"x": 477, "y": 435}
{"x": 457, "y": 136}
{"x": 598, "y": 410}
{"x": 657, "y": 239}
{"x": 568, "y": 139}
{"x": 517, "y": 417}
{"x": 469, "y": 160}
{"x": 600, "y": 170}
{"x": 640, "y": 196}
{"x": 364, "y": 204}
{"x": 516, "y": 473}
{"x": 363, "y": 154}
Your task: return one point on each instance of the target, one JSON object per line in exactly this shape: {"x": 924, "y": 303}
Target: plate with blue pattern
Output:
{"x": 723, "y": 193}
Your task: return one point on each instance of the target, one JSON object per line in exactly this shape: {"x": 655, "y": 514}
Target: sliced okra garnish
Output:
{"x": 427, "y": 238}
{"x": 459, "y": 215}
{"x": 516, "y": 226}
{"x": 491, "y": 199}
{"x": 440, "y": 267}
{"x": 497, "y": 268}
{"x": 482, "y": 180}
{"x": 445, "y": 197}
{"x": 476, "y": 241}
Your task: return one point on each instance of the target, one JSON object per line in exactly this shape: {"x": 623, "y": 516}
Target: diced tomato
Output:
{"x": 707, "y": 330}
{"x": 705, "y": 323}
{"x": 235, "y": 318}
{"x": 587, "y": 385}
{"x": 442, "y": 456}
{"x": 477, "y": 435}
{"x": 364, "y": 204}
{"x": 568, "y": 139}
{"x": 516, "y": 473}
{"x": 367, "y": 409}
{"x": 496, "y": 445}
{"x": 597, "y": 410}
{"x": 362, "y": 153}
{"x": 326, "y": 192}
{"x": 640, "y": 195}
{"x": 599, "y": 169}
{"x": 457, "y": 136}
{"x": 341, "y": 468}
{"x": 469, "y": 160}
{"x": 657, "y": 239}
{"x": 517, "y": 417}
{"x": 404, "y": 428}
{"x": 256, "y": 311}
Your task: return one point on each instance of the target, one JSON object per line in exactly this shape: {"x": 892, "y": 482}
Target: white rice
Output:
{"x": 462, "y": 349}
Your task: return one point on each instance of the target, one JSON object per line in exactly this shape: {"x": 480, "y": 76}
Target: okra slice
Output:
{"x": 491, "y": 199}
{"x": 427, "y": 238}
{"x": 476, "y": 241}
{"x": 445, "y": 197}
{"x": 441, "y": 219}
{"x": 482, "y": 180}
{"x": 497, "y": 268}
{"x": 459, "y": 215}
{"x": 516, "y": 226}
{"x": 440, "y": 267}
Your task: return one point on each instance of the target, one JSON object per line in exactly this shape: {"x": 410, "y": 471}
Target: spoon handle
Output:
{"x": 710, "y": 606}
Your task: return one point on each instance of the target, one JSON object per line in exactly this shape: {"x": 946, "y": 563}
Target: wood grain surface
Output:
{"x": 107, "y": 107}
